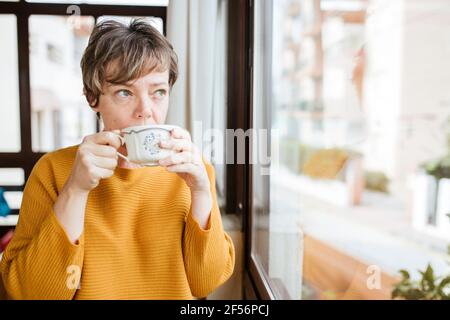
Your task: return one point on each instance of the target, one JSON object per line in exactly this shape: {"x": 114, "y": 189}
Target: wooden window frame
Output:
{"x": 239, "y": 116}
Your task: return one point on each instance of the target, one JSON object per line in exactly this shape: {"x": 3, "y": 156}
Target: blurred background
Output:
{"x": 354, "y": 95}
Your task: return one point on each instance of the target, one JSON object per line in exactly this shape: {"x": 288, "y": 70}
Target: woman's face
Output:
{"x": 140, "y": 102}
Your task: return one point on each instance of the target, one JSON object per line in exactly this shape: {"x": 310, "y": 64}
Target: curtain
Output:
{"x": 197, "y": 30}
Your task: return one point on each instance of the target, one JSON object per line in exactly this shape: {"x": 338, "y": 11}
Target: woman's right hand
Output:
{"x": 96, "y": 159}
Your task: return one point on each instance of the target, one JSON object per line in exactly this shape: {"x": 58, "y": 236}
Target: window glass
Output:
{"x": 60, "y": 115}
{"x": 9, "y": 86}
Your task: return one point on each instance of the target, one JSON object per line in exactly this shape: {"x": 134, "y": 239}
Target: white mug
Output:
{"x": 142, "y": 143}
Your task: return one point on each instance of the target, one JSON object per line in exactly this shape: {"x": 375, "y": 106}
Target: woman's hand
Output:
{"x": 96, "y": 159}
{"x": 186, "y": 162}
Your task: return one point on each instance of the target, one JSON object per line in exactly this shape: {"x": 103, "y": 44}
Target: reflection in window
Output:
{"x": 9, "y": 86}
{"x": 60, "y": 114}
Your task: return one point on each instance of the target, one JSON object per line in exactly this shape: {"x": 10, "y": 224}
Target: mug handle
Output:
{"x": 122, "y": 143}
{"x": 123, "y": 157}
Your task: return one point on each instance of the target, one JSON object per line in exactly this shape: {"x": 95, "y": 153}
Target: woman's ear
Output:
{"x": 93, "y": 103}
{"x": 91, "y": 100}
{"x": 94, "y": 106}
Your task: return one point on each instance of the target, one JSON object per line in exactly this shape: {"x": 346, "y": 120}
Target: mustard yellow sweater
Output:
{"x": 140, "y": 240}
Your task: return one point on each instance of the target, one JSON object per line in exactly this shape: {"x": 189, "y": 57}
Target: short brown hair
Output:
{"x": 136, "y": 49}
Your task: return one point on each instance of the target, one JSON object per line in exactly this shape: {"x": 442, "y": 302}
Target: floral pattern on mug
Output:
{"x": 151, "y": 143}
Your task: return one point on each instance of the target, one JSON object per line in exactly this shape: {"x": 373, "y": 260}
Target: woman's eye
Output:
{"x": 124, "y": 93}
{"x": 160, "y": 93}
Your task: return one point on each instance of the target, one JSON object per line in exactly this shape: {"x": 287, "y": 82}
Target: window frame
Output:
{"x": 239, "y": 116}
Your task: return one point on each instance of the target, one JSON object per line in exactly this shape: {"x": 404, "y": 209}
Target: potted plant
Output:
{"x": 429, "y": 287}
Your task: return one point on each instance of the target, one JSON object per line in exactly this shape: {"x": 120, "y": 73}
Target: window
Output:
{"x": 11, "y": 176}
{"x": 9, "y": 86}
{"x": 359, "y": 109}
{"x": 60, "y": 116}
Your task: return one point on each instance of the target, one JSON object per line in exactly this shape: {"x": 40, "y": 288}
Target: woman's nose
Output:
{"x": 144, "y": 108}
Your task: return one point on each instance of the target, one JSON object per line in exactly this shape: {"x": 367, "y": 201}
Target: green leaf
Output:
{"x": 405, "y": 274}
{"x": 395, "y": 293}
{"x": 442, "y": 285}
{"x": 428, "y": 279}
{"x": 414, "y": 294}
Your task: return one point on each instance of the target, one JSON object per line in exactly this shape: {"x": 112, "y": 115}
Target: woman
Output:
{"x": 93, "y": 226}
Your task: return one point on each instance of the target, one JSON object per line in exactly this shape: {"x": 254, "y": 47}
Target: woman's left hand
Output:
{"x": 186, "y": 162}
